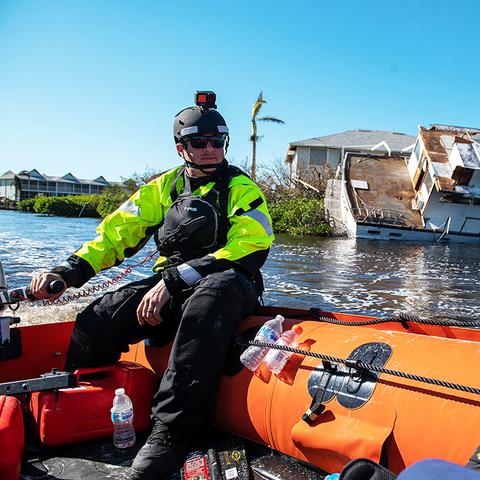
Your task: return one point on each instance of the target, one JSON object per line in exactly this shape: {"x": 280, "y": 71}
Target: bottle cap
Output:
{"x": 119, "y": 391}
{"x": 297, "y": 329}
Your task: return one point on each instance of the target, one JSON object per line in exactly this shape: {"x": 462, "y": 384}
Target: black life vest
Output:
{"x": 195, "y": 226}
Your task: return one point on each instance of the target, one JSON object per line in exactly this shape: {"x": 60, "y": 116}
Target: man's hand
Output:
{"x": 152, "y": 303}
{"x": 40, "y": 283}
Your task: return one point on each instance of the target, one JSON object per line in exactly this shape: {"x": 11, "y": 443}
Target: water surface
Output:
{"x": 360, "y": 276}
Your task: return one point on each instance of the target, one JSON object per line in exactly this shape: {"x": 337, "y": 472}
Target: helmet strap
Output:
{"x": 227, "y": 142}
{"x": 204, "y": 168}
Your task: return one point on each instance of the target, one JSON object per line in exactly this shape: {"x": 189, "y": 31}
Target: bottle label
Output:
{"x": 122, "y": 416}
{"x": 268, "y": 334}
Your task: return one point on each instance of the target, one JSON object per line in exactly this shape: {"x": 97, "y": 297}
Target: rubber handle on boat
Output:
{"x": 54, "y": 287}
{"x": 16, "y": 295}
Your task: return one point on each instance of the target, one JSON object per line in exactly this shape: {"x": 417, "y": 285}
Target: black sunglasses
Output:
{"x": 201, "y": 141}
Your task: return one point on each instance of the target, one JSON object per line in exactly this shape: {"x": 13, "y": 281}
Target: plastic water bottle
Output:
{"x": 269, "y": 332}
{"x": 275, "y": 360}
{"x": 122, "y": 418}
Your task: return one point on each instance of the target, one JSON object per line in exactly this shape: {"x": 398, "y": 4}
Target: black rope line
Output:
{"x": 403, "y": 318}
{"x": 359, "y": 365}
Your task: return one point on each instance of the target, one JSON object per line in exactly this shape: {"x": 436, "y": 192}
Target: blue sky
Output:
{"x": 92, "y": 86}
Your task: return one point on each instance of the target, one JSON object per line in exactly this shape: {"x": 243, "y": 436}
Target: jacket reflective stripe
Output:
{"x": 188, "y": 274}
{"x": 261, "y": 218}
{"x": 130, "y": 207}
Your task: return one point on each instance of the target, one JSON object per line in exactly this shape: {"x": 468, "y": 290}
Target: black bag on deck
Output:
{"x": 364, "y": 469}
{"x": 279, "y": 467}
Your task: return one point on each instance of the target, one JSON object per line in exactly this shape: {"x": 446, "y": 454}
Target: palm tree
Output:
{"x": 254, "y": 138}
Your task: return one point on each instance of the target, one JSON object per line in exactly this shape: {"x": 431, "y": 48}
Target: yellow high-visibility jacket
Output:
{"x": 125, "y": 231}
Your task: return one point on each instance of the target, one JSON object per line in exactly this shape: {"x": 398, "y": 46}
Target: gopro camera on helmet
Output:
{"x": 205, "y": 99}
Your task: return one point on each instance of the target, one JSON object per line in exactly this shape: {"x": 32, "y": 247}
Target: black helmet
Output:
{"x": 198, "y": 121}
{"x": 201, "y": 119}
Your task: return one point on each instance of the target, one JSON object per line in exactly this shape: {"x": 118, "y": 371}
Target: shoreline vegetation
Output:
{"x": 295, "y": 208}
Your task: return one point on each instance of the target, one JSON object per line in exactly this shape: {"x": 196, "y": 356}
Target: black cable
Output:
{"x": 359, "y": 365}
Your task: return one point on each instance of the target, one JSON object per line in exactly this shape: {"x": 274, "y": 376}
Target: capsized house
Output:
{"x": 29, "y": 184}
{"x": 330, "y": 149}
{"x": 432, "y": 194}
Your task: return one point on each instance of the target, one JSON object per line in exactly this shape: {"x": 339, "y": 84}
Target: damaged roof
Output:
{"x": 469, "y": 154}
{"x": 447, "y": 147}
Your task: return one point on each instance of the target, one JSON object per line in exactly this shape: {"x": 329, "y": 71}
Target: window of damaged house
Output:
{"x": 462, "y": 175}
{"x": 428, "y": 181}
{"x": 419, "y": 176}
{"x": 318, "y": 156}
{"x": 418, "y": 150}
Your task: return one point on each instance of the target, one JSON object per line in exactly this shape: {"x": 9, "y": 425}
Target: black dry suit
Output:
{"x": 211, "y": 250}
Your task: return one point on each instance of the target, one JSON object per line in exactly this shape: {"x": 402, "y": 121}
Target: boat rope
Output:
{"x": 357, "y": 366}
{"x": 401, "y": 317}
{"x": 64, "y": 299}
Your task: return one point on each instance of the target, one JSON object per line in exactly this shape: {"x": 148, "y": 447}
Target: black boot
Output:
{"x": 160, "y": 457}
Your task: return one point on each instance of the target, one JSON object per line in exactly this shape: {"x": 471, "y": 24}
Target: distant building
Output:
{"x": 23, "y": 185}
{"x": 330, "y": 149}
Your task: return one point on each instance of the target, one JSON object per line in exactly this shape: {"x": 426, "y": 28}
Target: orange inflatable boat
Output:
{"x": 384, "y": 417}
{"x": 395, "y": 392}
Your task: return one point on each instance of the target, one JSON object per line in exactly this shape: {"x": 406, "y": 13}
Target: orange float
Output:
{"x": 402, "y": 420}
{"x": 381, "y": 416}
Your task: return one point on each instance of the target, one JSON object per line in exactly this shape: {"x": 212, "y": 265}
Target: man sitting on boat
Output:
{"x": 213, "y": 231}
